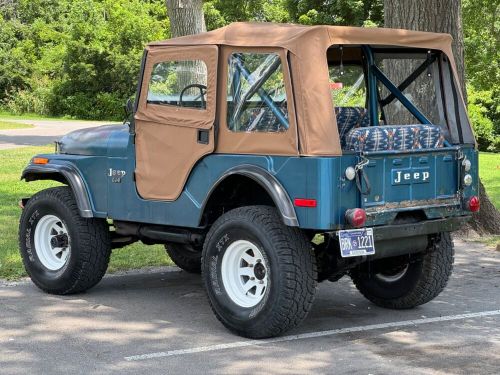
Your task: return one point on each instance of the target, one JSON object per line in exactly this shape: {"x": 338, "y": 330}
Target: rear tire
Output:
{"x": 62, "y": 252}
{"x": 259, "y": 274}
{"x": 395, "y": 283}
{"x": 185, "y": 257}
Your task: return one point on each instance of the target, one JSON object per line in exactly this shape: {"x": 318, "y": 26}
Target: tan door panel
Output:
{"x": 167, "y": 144}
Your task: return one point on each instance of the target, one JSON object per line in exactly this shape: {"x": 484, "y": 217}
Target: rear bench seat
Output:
{"x": 356, "y": 134}
{"x": 349, "y": 118}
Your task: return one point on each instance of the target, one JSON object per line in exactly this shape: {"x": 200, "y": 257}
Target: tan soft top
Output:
{"x": 169, "y": 132}
{"x": 292, "y": 37}
{"x": 307, "y": 46}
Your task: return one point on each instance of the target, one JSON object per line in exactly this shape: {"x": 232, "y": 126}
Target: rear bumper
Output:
{"x": 450, "y": 224}
{"x": 403, "y": 239}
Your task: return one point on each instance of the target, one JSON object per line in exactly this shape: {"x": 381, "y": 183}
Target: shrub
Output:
{"x": 34, "y": 100}
{"x": 480, "y": 108}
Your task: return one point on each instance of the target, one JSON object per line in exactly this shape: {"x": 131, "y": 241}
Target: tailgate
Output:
{"x": 405, "y": 180}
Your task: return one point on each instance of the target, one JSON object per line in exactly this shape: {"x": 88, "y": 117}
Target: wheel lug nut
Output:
{"x": 259, "y": 260}
{"x": 261, "y": 282}
{"x": 252, "y": 278}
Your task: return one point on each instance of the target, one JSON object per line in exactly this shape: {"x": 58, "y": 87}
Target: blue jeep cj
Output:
{"x": 270, "y": 158}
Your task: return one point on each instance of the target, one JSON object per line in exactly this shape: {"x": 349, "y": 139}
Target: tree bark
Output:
{"x": 443, "y": 16}
{"x": 186, "y": 17}
{"x": 439, "y": 16}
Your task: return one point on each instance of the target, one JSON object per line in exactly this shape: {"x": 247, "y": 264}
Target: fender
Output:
{"x": 269, "y": 183}
{"x": 65, "y": 173}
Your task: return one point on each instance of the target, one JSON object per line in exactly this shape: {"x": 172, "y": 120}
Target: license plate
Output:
{"x": 356, "y": 242}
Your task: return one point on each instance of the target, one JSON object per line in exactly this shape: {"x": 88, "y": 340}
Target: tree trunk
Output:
{"x": 186, "y": 17}
{"x": 443, "y": 16}
{"x": 439, "y": 16}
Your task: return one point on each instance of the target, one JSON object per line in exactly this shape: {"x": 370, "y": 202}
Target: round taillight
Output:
{"x": 467, "y": 180}
{"x": 473, "y": 204}
{"x": 356, "y": 217}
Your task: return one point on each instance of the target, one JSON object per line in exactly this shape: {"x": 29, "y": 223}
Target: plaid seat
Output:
{"x": 394, "y": 137}
{"x": 349, "y": 118}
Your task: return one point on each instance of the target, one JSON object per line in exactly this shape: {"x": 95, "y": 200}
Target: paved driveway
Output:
{"x": 160, "y": 322}
{"x": 43, "y": 132}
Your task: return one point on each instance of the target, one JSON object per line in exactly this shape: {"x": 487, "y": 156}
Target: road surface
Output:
{"x": 160, "y": 322}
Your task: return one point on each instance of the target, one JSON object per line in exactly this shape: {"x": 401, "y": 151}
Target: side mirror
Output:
{"x": 129, "y": 109}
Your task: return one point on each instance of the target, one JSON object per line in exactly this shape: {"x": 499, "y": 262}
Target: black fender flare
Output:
{"x": 269, "y": 183}
{"x": 65, "y": 173}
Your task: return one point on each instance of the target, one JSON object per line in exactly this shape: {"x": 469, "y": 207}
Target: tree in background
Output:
{"x": 481, "y": 20}
{"x": 219, "y": 13}
{"x": 336, "y": 12}
{"x": 443, "y": 16}
{"x": 186, "y": 17}
{"x": 78, "y": 58}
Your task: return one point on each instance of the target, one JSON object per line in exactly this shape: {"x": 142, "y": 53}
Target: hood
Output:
{"x": 90, "y": 141}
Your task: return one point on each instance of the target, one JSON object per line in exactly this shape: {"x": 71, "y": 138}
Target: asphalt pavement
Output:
{"x": 43, "y": 132}
{"x": 159, "y": 322}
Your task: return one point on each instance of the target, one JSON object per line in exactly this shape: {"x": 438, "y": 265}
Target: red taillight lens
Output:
{"x": 473, "y": 204}
{"x": 302, "y": 202}
{"x": 356, "y": 217}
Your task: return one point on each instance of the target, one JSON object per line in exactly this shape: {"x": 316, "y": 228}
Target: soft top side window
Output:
{"x": 179, "y": 83}
{"x": 256, "y": 96}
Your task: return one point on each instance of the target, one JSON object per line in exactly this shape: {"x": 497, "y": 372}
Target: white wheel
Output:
{"x": 259, "y": 274}
{"x": 393, "y": 276}
{"x": 244, "y": 273}
{"x": 52, "y": 242}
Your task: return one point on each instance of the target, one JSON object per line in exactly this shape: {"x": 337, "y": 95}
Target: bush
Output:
{"x": 34, "y": 100}
{"x": 77, "y": 58}
{"x": 481, "y": 112}
{"x": 107, "y": 106}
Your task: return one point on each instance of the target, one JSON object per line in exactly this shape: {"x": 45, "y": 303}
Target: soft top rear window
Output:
{"x": 402, "y": 86}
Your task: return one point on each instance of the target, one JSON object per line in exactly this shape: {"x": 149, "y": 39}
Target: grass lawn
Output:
{"x": 5, "y": 115}
{"x": 489, "y": 172}
{"x": 133, "y": 256}
{"x": 5, "y": 125}
{"x": 12, "y": 190}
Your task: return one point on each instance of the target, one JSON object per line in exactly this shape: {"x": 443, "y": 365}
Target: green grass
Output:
{"x": 489, "y": 172}
{"x": 6, "y": 125}
{"x": 490, "y": 241}
{"x": 5, "y": 115}
{"x": 26, "y": 116}
{"x": 12, "y": 190}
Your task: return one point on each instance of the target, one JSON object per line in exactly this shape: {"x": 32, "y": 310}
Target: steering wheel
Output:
{"x": 203, "y": 92}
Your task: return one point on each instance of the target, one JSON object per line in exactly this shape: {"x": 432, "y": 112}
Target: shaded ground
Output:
{"x": 149, "y": 312}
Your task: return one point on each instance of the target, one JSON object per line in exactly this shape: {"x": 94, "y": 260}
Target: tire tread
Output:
{"x": 93, "y": 238}
{"x": 297, "y": 262}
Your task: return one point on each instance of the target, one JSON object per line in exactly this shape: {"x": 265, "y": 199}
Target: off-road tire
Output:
{"x": 185, "y": 257}
{"x": 90, "y": 243}
{"x": 292, "y": 272}
{"x": 425, "y": 278}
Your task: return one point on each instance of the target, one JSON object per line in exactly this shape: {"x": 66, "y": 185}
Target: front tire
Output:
{"x": 259, "y": 274}
{"x": 404, "y": 282}
{"x": 62, "y": 252}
